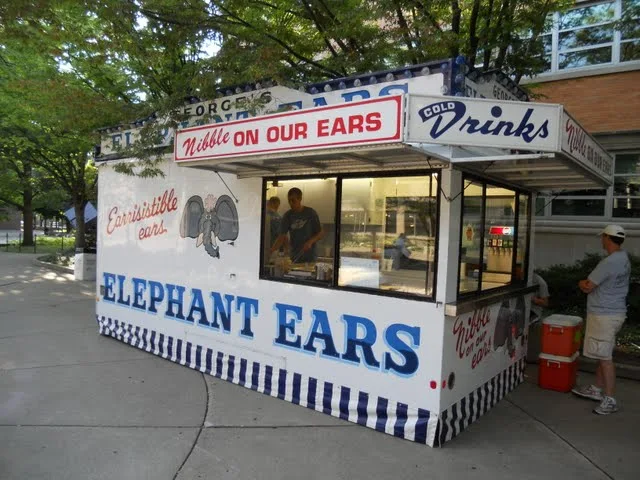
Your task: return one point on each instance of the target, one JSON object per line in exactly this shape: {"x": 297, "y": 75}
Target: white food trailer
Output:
{"x": 412, "y": 318}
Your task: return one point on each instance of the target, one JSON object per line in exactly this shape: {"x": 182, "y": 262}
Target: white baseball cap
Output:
{"x": 613, "y": 231}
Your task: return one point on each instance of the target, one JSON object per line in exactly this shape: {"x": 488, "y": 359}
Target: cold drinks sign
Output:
{"x": 359, "y": 123}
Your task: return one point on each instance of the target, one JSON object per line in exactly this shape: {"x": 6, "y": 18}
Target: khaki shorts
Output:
{"x": 600, "y": 335}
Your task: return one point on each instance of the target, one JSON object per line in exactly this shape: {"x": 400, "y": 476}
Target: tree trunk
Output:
{"x": 80, "y": 228}
{"x": 27, "y": 210}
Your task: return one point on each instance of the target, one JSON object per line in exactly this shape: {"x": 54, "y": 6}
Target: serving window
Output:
{"x": 378, "y": 232}
{"x": 494, "y": 237}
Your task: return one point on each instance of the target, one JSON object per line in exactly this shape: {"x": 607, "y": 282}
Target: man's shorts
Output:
{"x": 600, "y": 335}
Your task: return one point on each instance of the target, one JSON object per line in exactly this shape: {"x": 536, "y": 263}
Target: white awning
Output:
{"x": 531, "y": 145}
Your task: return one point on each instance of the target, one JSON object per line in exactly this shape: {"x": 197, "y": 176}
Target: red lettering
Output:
{"x": 272, "y": 134}
{"x": 338, "y": 127}
{"x": 189, "y": 146}
{"x": 323, "y": 128}
{"x": 468, "y": 331}
{"x": 165, "y": 203}
{"x": 301, "y": 131}
{"x": 211, "y": 139}
{"x": 374, "y": 122}
{"x": 356, "y": 123}
{"x": 110, "y": 226}
{"x": 151, "y": 231}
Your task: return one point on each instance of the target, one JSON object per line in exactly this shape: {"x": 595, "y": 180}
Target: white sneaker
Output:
{"x": 607, "y": 406}
{"x": 591, "y": 392}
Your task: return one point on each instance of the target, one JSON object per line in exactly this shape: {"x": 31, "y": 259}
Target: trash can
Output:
{"x": 85, "y": 265}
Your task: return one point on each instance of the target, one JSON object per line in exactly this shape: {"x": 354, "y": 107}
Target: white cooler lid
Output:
{"x": 562, "y": 320}
{"x": 556, "y": 358}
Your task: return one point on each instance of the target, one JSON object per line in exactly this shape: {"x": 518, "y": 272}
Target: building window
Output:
{"x": 626, "y": 186}
{"x": 586, "y": 36}
{"x": 493, "y": 245}
{"x": 579, "y": 203}
{"x": 385, "y": 233}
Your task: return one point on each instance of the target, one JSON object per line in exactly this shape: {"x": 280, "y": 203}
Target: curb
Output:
{"x": 53, "y": 266}
{"x": 623, "y": 370}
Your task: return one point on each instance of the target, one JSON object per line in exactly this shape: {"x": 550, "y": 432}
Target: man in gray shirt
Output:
{"x": 304, "y": 229}
{"x": 540, "y": 300}
{"x": 606, "y": 288}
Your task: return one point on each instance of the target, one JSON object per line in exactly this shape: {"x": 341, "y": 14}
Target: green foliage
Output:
{"x": 566, "y": 297}
{"x": 43, "y": 244}
{"x": 80, "y": 64}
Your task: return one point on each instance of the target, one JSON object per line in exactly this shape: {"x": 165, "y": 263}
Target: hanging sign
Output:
{"x": 483, "y": 123}
{"x": 367, "y": 122}
{"x": 580, "y": 146}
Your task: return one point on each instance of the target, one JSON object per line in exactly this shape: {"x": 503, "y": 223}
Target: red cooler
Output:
{"x": 561, "y": 335}
{"x": 557, "y": 373}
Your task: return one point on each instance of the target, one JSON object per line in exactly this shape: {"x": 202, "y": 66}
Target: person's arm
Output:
{"x": 282, "y": 238}
{"x": 541, "y": 297}
{"x": 317, "y": 227}
{"x": 595, "y": 278}
{"x": 542, "y": 301}
{"x": 316, "y": 238}
{"x": 587, "y": 286}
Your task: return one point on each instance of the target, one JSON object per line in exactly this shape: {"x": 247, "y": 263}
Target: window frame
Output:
{"x": 525, "y": 262}
{"x": 622, "y": 175}
{"x": 333, "y": 285}
{"x": 615, "y": 44}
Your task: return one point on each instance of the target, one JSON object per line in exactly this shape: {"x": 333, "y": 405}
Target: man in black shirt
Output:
{"x": 302, "y": 224}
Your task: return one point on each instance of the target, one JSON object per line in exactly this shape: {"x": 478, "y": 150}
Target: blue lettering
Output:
{"x": 109, "y": 282}
{"x": 220, "y": 311}
{"x": 407, "y": 351}
{"x": 364, "y": 344}
{"x": 175, "y": 301}
{"x": 395, "y": 89}
{"x": 139, "y": 286}
{"x": 319, "y": 102}
{"x": 321, "y": 330}
{"x": 156, "y": 295}
{"x": 115, "y": 140}
{"x": 197, "y": 305}
{"x": 286, "y": 325}
{"x": 121, "y": 299}
{"x": 357, "y": 95}
{"x": 249, "y": 307}
{"x": 437, "y": 111}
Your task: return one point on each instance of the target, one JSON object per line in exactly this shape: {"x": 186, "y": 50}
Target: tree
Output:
{"x": 49, "y": 112}
{"x": 149, "y": 55}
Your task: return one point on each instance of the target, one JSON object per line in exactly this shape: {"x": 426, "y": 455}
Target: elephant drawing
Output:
{"x": 510, "y": 326}
{"x": 215, "y": 219}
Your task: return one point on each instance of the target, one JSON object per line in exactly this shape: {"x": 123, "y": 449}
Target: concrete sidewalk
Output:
{"x": 77, "y": 405}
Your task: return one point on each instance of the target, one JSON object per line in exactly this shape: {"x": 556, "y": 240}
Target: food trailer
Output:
{"x": 412, "y": 316}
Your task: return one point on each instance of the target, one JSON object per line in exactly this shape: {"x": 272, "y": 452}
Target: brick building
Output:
{"x": 593, "y": 68}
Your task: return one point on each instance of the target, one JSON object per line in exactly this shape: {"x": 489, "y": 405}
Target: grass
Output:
{"x": 43, "y": 244}
{"x": 628, "y": 339}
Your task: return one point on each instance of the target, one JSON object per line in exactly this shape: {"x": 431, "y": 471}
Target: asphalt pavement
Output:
{"x": 78, "y": 405}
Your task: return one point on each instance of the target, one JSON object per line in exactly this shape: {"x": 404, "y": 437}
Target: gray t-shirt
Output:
{"x": 543, "y": 292}
{"x": 301, "y": 226}
{"x": 612, "y": 279}
{"x": 274, "y": 220}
